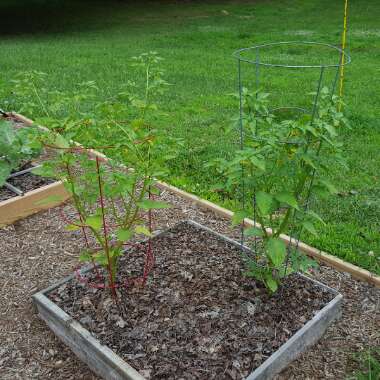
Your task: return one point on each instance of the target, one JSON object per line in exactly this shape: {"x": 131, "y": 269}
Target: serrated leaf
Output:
{"x": 287, "y": 198}
{"x": 276, "y": 251}
{"x": 149, "y": 204}
{"x": 264, "y": 202}
{"x": 94, "y": 221}
{"x": 123, "y": 234}
{"x": 142, "y": 230}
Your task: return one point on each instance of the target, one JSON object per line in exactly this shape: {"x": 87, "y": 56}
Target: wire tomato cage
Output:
{"x": 289, "y": 70}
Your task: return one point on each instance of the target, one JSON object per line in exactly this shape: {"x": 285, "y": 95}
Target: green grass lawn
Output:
{"x": 76, "y": 41}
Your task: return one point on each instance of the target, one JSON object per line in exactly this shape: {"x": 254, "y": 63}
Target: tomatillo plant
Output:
{"x": 110, "y": 196}
{"x": 281, "y": 165}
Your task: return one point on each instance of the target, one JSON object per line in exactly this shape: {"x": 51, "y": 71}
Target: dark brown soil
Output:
{"x": 24, "y": 182}
{"x": 198, "y": 317}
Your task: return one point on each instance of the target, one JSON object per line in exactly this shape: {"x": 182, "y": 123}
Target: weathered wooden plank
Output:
{"x": 22, "y": 206}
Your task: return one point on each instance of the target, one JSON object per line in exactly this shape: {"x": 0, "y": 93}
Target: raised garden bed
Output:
{"x": 25, "y": 193}
{"x": 198, "y": 317}
{"x": 31, "y": 202}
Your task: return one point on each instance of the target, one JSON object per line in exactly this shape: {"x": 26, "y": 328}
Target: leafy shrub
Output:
{"x": 110, "y": 197}
{"x": 17, "y": 148}
{"x": 280, "y": 165}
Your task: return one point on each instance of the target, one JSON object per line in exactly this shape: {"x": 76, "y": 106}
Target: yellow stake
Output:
{"x": 343, "y": 48}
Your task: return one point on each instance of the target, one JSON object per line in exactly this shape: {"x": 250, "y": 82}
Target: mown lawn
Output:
{"x": 75, "y": 41}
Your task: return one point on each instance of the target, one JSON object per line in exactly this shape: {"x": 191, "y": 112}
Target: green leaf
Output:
{"x": 238, "y": 217}
{"x": 260, "y": 164}
{"x": 264, "y": 202}
{"x": 61, "y": 142}
{"x": 85, "y": 256}
{"x": 155, "y": 190}
{"x": 253, "y": 231}
{"x": 315, "y": 216}
{"x": 329, "y": 186}
{"x": 276, "y": 251}
{"x": 271, "y": 283}
{"x": 309, "y": 226}
{"x": 309, "y": 161}
{"x": 101, "y": 258}
{"x": 123, "y": 234}
{"x": 148, "y": 204}
{"x": 50, "y": 199}
{"x": 321, "y": 191}
{"x": 331, "y": 130}
{"x": 5, "y": 170}
{"x": 95, "y": 222}
{"x": 287, "y": 198}
{"x": 142, "y": 230}
{"x": 72, "y": 227}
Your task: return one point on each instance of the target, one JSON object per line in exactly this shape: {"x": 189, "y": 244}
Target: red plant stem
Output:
{"x": 105, "y": 232}
{"x": 98, "y": 276}
{"x": 149, "y": 255}
{"x": 82, "y": 222}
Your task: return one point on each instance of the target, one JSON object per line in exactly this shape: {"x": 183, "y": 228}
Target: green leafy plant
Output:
{"x": 281, "y": 164}
{"x": 17, "y": 148}
{"x": 369, "y": 362}
{"x": 113, "y": 198}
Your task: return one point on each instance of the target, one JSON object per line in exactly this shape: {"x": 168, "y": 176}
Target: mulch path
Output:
{"x": 38, "y": 251}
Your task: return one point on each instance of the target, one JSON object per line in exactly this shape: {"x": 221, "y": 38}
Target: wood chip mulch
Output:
{"x": 197, "y": 317}
{"x": 38, "y": 251}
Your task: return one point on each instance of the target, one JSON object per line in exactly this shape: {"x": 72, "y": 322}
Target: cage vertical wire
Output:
{"x": 273, "y": 66}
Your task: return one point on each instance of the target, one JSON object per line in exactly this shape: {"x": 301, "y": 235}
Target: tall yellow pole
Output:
{"x": 341, "y": 79}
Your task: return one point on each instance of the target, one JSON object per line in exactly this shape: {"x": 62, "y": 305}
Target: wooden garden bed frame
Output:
{"x": 324, "y": 257}
{"x": 21, "y": 206}
{"x": 107, "y": 364}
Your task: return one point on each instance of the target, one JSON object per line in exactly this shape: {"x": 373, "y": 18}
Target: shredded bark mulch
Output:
{"x": 38, "y": 251}
{"x": 198, "y": 317}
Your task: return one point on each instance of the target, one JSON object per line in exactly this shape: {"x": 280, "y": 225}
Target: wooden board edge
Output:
{"x": 20, "y": 207}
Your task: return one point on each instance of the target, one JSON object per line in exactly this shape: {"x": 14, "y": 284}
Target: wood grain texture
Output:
{"x": 20, "y": 207}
